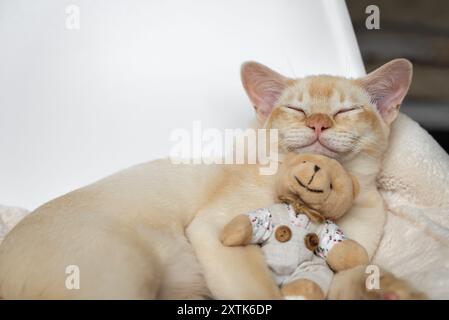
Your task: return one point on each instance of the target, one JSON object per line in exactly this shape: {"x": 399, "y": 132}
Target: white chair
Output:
{"x": 79, "y": 104}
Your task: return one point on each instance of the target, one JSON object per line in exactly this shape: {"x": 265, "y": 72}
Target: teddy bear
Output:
{"x": 302, "y": 244}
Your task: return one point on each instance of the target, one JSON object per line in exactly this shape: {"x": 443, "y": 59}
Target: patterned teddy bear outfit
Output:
{"x": 281, "y": 233}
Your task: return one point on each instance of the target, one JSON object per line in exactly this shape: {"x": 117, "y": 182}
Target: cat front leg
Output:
{"x": 238, "y": 232}
{"x": 230, "y": 272}
{"x": 366, "y": 220}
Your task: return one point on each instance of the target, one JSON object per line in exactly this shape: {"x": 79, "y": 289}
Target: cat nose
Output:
{"x": 319, "y": 127}
{"x": 319, "y": 122}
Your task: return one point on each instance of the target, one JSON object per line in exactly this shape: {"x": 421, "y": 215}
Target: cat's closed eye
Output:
{"x": 295, "y": 108}
{"x": 347, "y": 110}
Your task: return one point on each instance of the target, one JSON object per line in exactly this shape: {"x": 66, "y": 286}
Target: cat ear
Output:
{"x": 388, "y": 86}
{"x": 263, "y": 86}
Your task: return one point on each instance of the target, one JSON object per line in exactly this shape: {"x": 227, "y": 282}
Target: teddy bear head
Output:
{"x": 317, "y": 183}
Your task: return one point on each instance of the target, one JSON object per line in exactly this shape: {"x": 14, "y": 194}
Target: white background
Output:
{"x": 76, "y": 105}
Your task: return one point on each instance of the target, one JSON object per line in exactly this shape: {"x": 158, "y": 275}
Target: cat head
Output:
{"x": 329, "y": 115}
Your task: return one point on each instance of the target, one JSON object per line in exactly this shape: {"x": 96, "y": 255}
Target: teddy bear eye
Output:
{"x": 330, "y": 186}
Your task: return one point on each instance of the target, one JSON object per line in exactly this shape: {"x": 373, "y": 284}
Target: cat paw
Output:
{"x": 393, "y": 288}
{"x": 302, "y": 289}
{"x": 353, "y": 284}
{"x": 295, "y": 298}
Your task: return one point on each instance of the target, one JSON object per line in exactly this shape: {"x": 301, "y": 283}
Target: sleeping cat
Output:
{"x": 151, "y": 231}
{"x": 348, "y": 120}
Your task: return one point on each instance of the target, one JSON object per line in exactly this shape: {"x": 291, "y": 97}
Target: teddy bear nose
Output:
{"x": 316, "y": 168}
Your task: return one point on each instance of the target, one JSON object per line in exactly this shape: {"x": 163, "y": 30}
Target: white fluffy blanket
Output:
{"x": 415, "y": 186}
{"x": 9, "y": 217}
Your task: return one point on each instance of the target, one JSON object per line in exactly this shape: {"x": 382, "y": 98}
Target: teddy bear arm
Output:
{"x": 346, "y": 255}
{"x": 238, "y": 232}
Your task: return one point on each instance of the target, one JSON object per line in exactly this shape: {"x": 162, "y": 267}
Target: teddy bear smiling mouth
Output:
{"x": 306, "y": 187}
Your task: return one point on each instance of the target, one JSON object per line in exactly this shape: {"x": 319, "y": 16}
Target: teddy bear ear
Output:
{"x": 293, "y": 158}
{"x": 355, "y": 186}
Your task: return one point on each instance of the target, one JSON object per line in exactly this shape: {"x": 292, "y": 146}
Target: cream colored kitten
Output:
{"x": 126, "y": 233}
